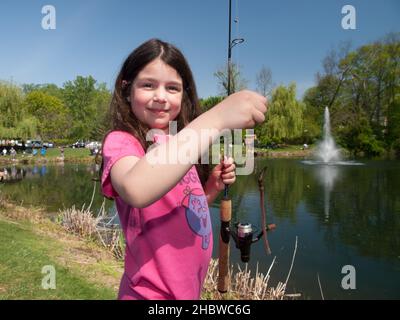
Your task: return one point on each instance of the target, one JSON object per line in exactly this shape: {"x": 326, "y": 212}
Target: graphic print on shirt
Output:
{"x": 197, "y": 214}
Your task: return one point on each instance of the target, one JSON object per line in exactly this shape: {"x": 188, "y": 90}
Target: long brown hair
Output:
{"x": 120, "y": 109}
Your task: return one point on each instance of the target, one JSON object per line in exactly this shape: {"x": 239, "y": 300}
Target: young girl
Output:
{"x": 163, "y": 207}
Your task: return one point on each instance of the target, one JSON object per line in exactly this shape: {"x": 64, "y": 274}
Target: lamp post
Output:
{"x": 231, "y": 44}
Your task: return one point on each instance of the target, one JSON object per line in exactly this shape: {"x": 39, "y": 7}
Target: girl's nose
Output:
{"x": 160, "y": 96}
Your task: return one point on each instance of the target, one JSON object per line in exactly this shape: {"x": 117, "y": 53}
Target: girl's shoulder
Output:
{"x": 121, "y": 139}
{"x": 119, "y": 135}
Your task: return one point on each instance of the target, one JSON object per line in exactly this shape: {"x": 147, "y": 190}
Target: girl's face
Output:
{"x": 156, "y": 95}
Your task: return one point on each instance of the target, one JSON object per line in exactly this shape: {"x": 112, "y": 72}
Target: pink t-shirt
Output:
{"x": 168, "y": 243}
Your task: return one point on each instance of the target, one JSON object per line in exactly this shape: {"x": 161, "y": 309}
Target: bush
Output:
{"x": 395, "y": 148}
{"x": 369, "y": 145}
{"x": 359, "y": 138}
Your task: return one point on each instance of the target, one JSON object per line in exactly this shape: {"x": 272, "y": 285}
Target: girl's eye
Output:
{"x": 173, "y": 88}
{"x": 148, "y": 85}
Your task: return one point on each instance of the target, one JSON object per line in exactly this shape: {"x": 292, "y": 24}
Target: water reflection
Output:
{"x": 11, "y": 174}
{"x": 54, "y": 187}
{"x": 342, "y": 214}
{"x": 16, "y": 173}
{"x": 327, "y": 176}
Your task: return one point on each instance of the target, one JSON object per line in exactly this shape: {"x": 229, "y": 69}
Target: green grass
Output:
{"x": 286, "y": 148}
{"x": 69, "y": 153}
{"x": 23, "y": 255}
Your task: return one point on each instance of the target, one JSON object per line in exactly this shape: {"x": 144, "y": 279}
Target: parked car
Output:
{"x": 33, "y": 144}
{"x": 78, "y": 144}
{"x": 48, "y": 144}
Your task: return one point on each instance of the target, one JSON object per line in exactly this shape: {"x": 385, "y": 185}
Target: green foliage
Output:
{"x": 79, "y": 110}
{"x": 395, "y": 147}
{"x": 101, "y": 118}
{"x": 87, "y": 103}
{"x": 208, "y": 103}
{"x": 284, "y": 120}
{"x": 53, "y": 117}
{"x": 15, "y": 122}
{"x": 48, "y": 88}
{"x": 393, "y": 126}
{"x": 10, "y": 105}
{"x": 359, "y": 138}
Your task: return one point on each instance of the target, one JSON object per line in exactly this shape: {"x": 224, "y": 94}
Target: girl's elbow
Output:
{"x": 134, "y": 198}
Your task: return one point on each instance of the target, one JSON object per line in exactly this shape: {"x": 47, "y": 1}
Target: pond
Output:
{"x": 343, "y": 215}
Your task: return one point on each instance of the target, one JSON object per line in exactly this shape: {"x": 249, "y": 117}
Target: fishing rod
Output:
{"x": 242, "y": 233}
{"x": 226, "y": 202}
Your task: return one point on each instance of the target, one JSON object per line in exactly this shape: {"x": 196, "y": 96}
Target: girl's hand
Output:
{"x": 222, "y": 174}
{"x": 243, "y": 109}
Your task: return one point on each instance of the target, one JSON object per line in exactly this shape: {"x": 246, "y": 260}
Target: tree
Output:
{"x": 393, "y": 132}
{"x": 264, "y": 81}
{"x": 14, "y": 120}
{"x": 48, "y": 88}
{"x": 78, "y": 96}
{"x": 11, "y": 98}
{"x": 284, "y": 119}
{"x": 208, "y": 103}
{"x": 101, "y": 118}
{"x": 237, "y": 81}
{"x": 53, "y": 117}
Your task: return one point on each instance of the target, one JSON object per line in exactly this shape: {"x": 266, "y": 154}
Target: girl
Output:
{"x": 163, "y": 207}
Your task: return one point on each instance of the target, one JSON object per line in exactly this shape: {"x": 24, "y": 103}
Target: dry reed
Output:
{"x": 244, "y": 286}
{"x": 86, "y": 225}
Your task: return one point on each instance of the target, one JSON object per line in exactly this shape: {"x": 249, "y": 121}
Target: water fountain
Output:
{"x": 327, "y": 150}
{"x": 327, "y": 163}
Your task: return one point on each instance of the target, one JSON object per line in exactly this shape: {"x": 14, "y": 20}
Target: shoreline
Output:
{"x": 44, "y": 160}
{"x": 283, "y": 154}
{"x": 91, "y": 159}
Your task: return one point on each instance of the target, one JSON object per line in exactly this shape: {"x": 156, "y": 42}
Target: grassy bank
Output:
{"x": 30, "y": 242}
{"x": 289, "y": 151}
{"x": 85, "y": 269}
{"x": 52, "y": 155}
{"x": 82, "y": 155}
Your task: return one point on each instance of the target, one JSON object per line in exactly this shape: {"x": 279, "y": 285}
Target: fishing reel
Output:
{"x": 243, "y": 234}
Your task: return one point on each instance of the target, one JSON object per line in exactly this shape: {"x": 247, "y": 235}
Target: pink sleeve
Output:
{"x": 117, "y": 145}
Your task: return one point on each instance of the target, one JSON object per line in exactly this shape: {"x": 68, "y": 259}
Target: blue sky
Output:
{"x": 93, "y": 37}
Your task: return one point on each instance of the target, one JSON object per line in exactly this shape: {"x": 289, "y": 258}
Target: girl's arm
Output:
{"x": 140, "y": 182}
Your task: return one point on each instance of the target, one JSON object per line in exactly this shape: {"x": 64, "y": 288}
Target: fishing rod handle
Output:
{"x": 223, "y": 264}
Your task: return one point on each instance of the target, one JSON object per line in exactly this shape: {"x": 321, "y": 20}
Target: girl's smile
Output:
{"x": 156, "y": 95}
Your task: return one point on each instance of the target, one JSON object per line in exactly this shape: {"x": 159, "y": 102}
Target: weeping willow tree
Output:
{"x": 284, "y": 119}
{"x": 15, "y": 122}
